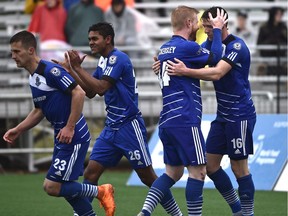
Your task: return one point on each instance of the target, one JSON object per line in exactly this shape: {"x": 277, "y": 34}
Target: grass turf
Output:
{"x": 22, "y": 194}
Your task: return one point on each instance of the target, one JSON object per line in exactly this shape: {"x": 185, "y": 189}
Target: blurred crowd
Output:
{"x": 64, "y": 23}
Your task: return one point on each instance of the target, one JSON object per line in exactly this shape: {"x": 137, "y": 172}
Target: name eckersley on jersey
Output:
{"x": 167, "y": 50}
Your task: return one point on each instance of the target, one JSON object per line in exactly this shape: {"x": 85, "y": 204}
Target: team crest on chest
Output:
{"x": 37, "y": 81}
{"x": 237, "y": 46}
{"x": 55, "y": 71}
{"x": 112, "y": 59}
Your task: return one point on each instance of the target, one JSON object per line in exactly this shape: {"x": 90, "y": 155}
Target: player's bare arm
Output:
{"x": 156, "y": 65}
{"x": 33, "y": 118}
{"x": 66, "y": 134}
{"x": 210, "y": 74}
{"x": 90, "y": 85}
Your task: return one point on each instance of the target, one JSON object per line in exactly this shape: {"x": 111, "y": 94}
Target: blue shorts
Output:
{"x": 232, "y": 138}
{"x": 130, "y": 140}
{"x": 183, "y": 146}
{"x": 68, "y": 162}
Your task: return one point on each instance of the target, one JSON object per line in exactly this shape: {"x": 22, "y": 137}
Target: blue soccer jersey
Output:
{"x": 51, "y": 88}
{"x": 233, "y": 92}
{"x": 122, "y": 98}
{"x": 182, "y": 104}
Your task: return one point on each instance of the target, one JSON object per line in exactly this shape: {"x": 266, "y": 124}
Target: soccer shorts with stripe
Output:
{"x": 183, "y": 145}
{"x": 68, "y": 161}
{"x": 232, "y": 138}
{"x": 130, "y": 140}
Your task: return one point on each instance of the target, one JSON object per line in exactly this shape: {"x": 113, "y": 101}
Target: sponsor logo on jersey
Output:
{"x": 237, "y": 46}
{"x": 112, "y": 59}
{"x": 55, "y": 71}
{"x": 39, "y": 99}
{"x": 140, "y": 163}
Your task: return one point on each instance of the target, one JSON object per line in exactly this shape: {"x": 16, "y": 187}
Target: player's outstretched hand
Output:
{"x": 220, "y": 20}
{"x": 74, "y": 58}
{"x": 176, "y": 68}
{"x": 11, "y": 135}
{"x": 63, "y": 64}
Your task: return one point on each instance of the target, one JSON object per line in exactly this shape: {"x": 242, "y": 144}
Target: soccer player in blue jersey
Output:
{"x": 124, "y": 133}
{"x": 180, "y": 118}
{"x": 57, "y": 97}
{"x": 231, "y": 131}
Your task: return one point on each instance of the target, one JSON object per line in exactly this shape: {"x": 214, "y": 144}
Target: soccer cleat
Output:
{"x": 106, "y": 198}
{"x": 140, "y": 214}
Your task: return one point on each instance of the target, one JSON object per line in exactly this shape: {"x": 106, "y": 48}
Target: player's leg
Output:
{"x": 104, "y": 154}
{"x": 81, "y": 206}
{"x": 72, "y": 189}
{"x": 67, "y": 166}
{"x": 193, "y": 155}
{"x": 105, "y": 193}
{"x": 92, "y": 173}
{"x": 160, "y": 190}
{"x": 132, "y": 139}
{"x": 240, "y": 135}
{"x": 216, "y": 146}
{"x": 223, "y": 183}
{"x": 246, "y": 187}
{"x": 183, "y": 147}
{"x": 194, "y": 189}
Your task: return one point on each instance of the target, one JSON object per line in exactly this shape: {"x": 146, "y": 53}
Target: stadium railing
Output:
{"x": 18, "y": 105}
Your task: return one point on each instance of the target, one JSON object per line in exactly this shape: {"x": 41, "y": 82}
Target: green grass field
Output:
{"x": 22, "y": 195}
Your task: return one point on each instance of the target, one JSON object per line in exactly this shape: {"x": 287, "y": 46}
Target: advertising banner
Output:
{"x": 266, "y": 165}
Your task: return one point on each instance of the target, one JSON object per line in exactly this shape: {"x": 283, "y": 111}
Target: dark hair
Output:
{"x": 272, "y": 13}
{"x": 105, "y": 29}
{"x": 213, "y": 11}
{"x": 117, "y": 2}
{"x": 26, "y": 38}
{"x": 242, "y": 13}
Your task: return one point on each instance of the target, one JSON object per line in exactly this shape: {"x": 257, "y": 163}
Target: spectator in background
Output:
{"x": 48, "y": 22}
{"x": 80, "y": 17}
{"x": 30, "y": 5}
{"x": 161, "y": 11}
{"x": 106, "y": 4}
{"x": 244, "y": 30}
{"x": 124, "y": 24}
{"x": 273, "y": 32}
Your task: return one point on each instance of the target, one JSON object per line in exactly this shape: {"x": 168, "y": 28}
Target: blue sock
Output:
{"x": 81, "y": 205}
{"x": 194, "y": 196}
{"x": 168, "y": 202}
{"x": 223, "y": 184}
{"x": 160, "y": 187}
{"x": 246, "y": 192}
{"x": 88, "y": 182}
{"x": 69, "y": 189}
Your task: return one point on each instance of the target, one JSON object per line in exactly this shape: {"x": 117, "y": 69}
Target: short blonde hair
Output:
{"x": 179, "y": 16}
